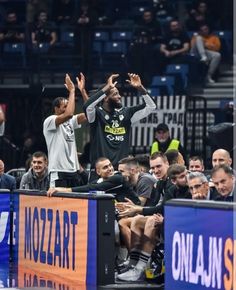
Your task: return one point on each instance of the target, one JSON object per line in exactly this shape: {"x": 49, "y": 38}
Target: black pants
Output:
{"x": 68, "y": 179}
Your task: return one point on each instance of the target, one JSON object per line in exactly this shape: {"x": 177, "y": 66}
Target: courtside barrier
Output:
{"x": 200, "y": 245}
{"x": 69, "y": 235}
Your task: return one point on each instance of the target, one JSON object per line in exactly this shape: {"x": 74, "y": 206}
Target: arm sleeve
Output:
{"x": 150, "y": 106}
{"x": 23, "y": 182}
{"x": 90, "y": 106}
{"x": 50, "y": 123}
{"x": 111, "y": 183}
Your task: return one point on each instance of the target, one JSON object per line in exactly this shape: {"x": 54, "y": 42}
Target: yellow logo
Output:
{"x": 115, "y": 131}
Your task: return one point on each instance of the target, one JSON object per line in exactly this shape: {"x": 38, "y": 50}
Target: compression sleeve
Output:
{"x": 90, "y": 106}
{"x": 150, "y": 107}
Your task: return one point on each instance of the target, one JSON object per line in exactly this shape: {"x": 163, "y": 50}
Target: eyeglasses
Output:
{"x": 196, "y": 186}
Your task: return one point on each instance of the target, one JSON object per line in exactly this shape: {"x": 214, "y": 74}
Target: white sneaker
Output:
{"x": 132, "y": 275}
{"x": 209, "y": 80}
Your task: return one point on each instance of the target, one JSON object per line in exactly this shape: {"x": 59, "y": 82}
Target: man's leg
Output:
{"x": 215, "y": 58}
{"x": 125, "y": 231}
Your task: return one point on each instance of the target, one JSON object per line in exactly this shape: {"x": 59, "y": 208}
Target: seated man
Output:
{"x": 37, "y": 177}
{"x": 109, "y": 182}
{"x": 6, "y": 180}
{"x": 224, "y": 180}
{"x": 199, "y": 187}
{"x": 206, "y": 45}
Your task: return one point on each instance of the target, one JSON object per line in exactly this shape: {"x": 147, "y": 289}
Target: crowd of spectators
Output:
{"x": 161, "y": 30}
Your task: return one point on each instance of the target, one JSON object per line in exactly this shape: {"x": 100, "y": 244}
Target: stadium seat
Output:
{"x": 101, "y": 35}
{"x": 226, "y": 37}
{"x": 121, "y": 35}
{"x": 180, "y": 71}
{"x": 166, "y": 84}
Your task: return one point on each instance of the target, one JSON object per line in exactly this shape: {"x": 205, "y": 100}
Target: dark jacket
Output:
{"x": 7, "y": 182}
{"x": 31, "y": 181}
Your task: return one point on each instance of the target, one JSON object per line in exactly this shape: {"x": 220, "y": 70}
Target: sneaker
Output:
{"x": 132, "y": 275}
{"x": 209, "y": 80}
{"x": 121, "y": 268}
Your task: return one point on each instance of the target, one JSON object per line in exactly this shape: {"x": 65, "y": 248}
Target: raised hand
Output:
{"x": 69, "y": 84}
{"x": 111, "y": 82}
{"x": 81, "y": 81}
{"x": 134, "y": 80}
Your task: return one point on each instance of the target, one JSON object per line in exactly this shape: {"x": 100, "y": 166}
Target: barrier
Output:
{"x": 69, "y": 235}
{"x": 199, "y": 245}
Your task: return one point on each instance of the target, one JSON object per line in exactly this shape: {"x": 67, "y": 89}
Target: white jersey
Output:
{"x": 60, "y": 140}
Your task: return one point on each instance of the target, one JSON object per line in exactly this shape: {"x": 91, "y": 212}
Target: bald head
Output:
{"x": 1, "y": 167}
{"x": 221, "y": 156}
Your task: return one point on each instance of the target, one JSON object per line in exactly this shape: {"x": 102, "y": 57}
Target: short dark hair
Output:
{"x": 227, "y": 169}
{"x": 195, "y": 158}
{"x": 174, "y": 170}
{"x": 172, "y": 156}
{"x": 38, "y": 154}
{"x": 57, "y": 102}
{"x": 143, "y": 160}
{"x": 100, "y": 159}
{"x": 129, "y": 161}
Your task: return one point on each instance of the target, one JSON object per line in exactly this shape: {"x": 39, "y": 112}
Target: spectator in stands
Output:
{"x": 63, "y": 11}
{"x": 223, "y": 178}
{"x": 12, "y": 30}
{"x": 43, "y": 31}
{"x": 151, "y": 26}
{"x": 109, "y": 181}
{"x": 199, "y": 15}
{"x": 110, "y": 123}
{"x": 199, "y": 186}
{"x": 33, "y": 8}
{"x": 174, "y": 157}
{"x": 58, "y": 130}
{"x": 221, "y": 156}
{"x": 163, "y": 10}
{"x": 206, "y": 46}
{"x": 6, "y": 181}
{"x": 163, "y": 142}
{"x": 175, "y": 45}
{"x": 37, "y": 176}
{"x": 196, "y": 164}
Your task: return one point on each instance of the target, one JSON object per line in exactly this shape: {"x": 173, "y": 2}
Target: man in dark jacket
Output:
{"x": 37, "y": 177}
{"x": 6, "y": 181}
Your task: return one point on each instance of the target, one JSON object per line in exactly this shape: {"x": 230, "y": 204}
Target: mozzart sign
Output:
{"x": 199, "y": 248}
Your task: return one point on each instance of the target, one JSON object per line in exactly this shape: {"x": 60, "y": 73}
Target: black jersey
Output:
{"x": 110, "y": 131}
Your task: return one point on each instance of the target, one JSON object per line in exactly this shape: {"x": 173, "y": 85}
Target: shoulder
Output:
{"x": 8, "y": 177}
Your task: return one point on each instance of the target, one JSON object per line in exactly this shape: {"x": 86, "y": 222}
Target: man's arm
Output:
{"x": 141, "y": 111}
{"x": 70, "y": 108}
{"x": 2, "y": 116}
{"x": 90, "y": 105}
{"x": 81, "y": 86}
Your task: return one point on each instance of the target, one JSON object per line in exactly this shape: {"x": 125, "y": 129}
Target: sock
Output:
{"x": 143, "y": 260}
{"x": 134, "y": 256}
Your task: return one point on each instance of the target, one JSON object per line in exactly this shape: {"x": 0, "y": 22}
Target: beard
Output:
{"x": 114, "y": 105}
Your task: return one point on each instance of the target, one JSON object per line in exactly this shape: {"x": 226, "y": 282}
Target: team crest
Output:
{"x": 121, "y": 117}
{"x": 107, "y": 117}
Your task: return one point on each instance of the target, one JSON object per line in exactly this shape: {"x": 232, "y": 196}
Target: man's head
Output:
{"x": 162, "y": 133}
{"x": 1, "y": 167}
{"x": 39, "y": 163}
{"x": 113, "y": 99}
{"x": 174, "y": 157}
{"x": 198, "y": 185}
{"x": 11, "y": 17}
{"x": 147, "y": 16}
{"x": 204, "y": 30}
{"x": 221, "y": 156}
{"x": 104, "y": 168}
{"x": 159, "y": 165}
{"x": 59, "y": 105}
{"x": 178, "y": 175}
{"x": 43, "y": 16}
{"x": 129, "y": 168}
{"x": 175, "y": 26}
{"x": 143, "y": 161}
{"x": 196, "y": 164}
{"x": 223, "y": 179}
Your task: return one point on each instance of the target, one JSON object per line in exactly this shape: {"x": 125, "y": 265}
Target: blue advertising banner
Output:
{"x": 4, "y": 227}
{"x": 199, "y": 248}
